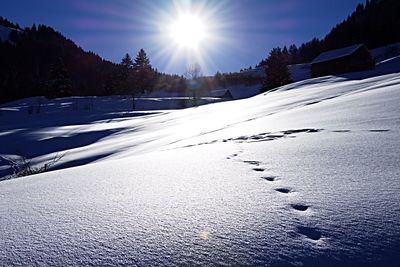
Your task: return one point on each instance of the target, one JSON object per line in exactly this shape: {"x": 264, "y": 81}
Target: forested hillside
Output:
{"x": 34, "y": 60}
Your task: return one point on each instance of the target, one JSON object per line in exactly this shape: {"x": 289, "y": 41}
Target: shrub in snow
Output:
{"x": 23, "y": 166}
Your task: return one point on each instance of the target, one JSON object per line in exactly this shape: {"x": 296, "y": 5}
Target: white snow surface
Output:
{"x": 307, "y": 175}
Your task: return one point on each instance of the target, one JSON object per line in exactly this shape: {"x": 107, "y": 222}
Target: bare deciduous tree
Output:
{"x": 192, "y": 74}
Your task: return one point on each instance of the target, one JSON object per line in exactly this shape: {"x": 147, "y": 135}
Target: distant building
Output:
{"x": 227, "y": 95}
{"x": 343, "y": 60}
{"x": 221, "y": 94}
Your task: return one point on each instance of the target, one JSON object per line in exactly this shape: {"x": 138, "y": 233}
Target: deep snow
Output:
{"x": 305, "y": 175}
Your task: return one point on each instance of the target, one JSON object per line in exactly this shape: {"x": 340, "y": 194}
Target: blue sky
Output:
{"x": 244, "y": 30}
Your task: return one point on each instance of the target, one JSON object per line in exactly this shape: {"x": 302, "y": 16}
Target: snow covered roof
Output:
{"x": 219, "y": 92}
{"x": 337, "y": 53}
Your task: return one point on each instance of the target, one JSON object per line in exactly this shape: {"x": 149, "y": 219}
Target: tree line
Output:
{"x": 41, "y": 61}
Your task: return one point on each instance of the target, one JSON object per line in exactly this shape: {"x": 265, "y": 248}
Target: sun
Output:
{"x": 188, "y": 31}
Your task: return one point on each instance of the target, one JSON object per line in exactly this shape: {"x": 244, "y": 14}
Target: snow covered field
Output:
{"x": 306, "y": 175}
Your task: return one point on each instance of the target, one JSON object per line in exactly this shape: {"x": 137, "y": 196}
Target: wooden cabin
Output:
{"x": 348, "y": 59}
{"x": 227, "y": 95}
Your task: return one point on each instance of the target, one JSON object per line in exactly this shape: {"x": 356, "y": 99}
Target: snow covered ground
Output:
{"x": 307, "y": 175}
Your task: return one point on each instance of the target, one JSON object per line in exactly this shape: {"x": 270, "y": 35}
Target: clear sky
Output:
{"x": 239, "y": 32}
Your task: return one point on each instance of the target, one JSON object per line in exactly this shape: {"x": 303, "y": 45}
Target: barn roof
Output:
{"x": 337, "y": 53}
{"x": 222, "y": 93}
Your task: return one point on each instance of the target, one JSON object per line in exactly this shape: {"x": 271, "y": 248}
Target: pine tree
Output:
{"x": 125, "y": 74}
{"x": 277, "y": 72}
{"x": 142, "y": 62}
{"x": 293, "y": 51}
{"x": 143, "y": 72}
{"x": 127, "y": 62}
{"x": 59, "y": 83}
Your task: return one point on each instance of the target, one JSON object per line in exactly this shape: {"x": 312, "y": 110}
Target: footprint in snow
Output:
{"x": 310, "y": 232}
{"x": 252, "y": 162}
{"x": 341, "y": 131}
{"x": 283, "y": 190}
{"x": 269, "y": 178}
{"x": 378, "y": 131}
{"x": 300, "y": 207}
{"x": 232, "y": 156}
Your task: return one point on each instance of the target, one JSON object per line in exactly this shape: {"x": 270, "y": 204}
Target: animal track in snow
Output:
{"x": 378, "y": 131}
{"x": 308, "y": 130}
{"x": 234, "y": 155}
{"x": 262, "y": 137}
{"x": 341, "y": 131}
{"x": 272, "y": 136}
{"x": 252, "y": 162}
{"x": 310, "y": 232}
{"x": 283, "y": 190}
{"x": 300, "y": 207}
{"x": 269, "y": 178}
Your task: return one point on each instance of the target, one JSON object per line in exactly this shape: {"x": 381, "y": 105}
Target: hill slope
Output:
{"x": 307, "y": 174}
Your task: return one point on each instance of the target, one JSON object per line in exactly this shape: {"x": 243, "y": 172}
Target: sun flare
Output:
{"x": 188, "y": 31}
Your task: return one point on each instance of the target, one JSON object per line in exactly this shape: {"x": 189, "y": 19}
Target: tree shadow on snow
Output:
{"x": 24, "y": 143}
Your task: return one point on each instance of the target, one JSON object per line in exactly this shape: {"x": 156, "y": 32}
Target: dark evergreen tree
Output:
{"x": 127, "y": 62}
{"x": 143, "y": 72}
{"x": 127, "y": 77}
{"x": 142, "y": 62}
{"x": 126, "y": 74}
{"x": 59, "y": 83}
{"x": 294, "y": 54}
{"x": 7, "y": 23}
{"x": 276, "y": 70}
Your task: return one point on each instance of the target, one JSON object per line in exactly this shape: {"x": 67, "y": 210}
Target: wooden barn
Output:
{"x": 343, "y": 60}
{"x": 222, "y": 94}
{"x": 227, "y": 95}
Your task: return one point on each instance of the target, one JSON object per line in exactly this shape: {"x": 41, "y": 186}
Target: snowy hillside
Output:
{"x": 307, "y": 175}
